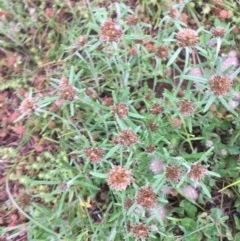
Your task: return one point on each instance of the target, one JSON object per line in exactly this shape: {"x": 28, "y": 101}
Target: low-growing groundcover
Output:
{"x": 119, "y": 120}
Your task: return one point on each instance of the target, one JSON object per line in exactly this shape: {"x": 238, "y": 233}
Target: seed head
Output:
{"x": 220, "y": 85}
{"x": 119, "y": 178}
{"x": 126, "y": 138}
{"x": 94, "y": 154}
{"x": 198, "y": 171}
{"x": 146, "y": 197}
{"x": 186, "y": 106}
{"x": 121, "y": 110}
{"x": 156, "y": 109}
{"x": 190, "y": 192}
{"x": 68, "y": 93}
{"x": 173, "y": 173}
{"x": 176, "y": 122}
{"x": 152, "y": 126}
{"x": 162, "y": 52}
{"x": 218, "y": 32}
{"x": 140, "y": 230}
{"x": 156, "y": 166}
{"x": 150, "y": 149}
{"x": 187, "y": 37}
{"x": 107, "y": 101}
{"x": 110, "y": 31}
{"x": 81, "y": 40}
{"x": 27, "y": 106}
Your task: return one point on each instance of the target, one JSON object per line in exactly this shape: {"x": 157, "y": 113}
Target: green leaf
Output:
{"x": 99, "y": 175}
{"x": 175, "y": 55}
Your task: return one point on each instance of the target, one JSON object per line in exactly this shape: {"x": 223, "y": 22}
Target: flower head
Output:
{"x": 218, "y": 32}
{"x": 152, "y": 126}
{"x": 139, "y": 230}
{"x": 187, "y": 37}
{"x": 162, "y": 52}
{"x": 150, "y": 149}
{"x": 186, "y": 106}
{"x": 119, "y": 178}
{"x": 156, "y": 109}
{"x": 107, "y": 101}
{"x": 110, "y": 31}
{"x": 173, "y": 173}
{"x": 68, "y": 93}
{"x": 190, "y": 192}
{"x": 94, "y": 154}
{"x": 176, "y": 122}
{"x": 146, "y": 197}
{"x": 121, "y": 110}
{"x": 27, "y": 106}
{"x": 126, "y": 138}
{"x": 156, "y": 166}
{"x": 198, "y": 171}
{"x": 220, "y": 85}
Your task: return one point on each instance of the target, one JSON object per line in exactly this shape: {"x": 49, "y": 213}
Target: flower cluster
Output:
{"x": 93, "y": 154}
{"x": 119, "y": 178}
{"x": 186, "y": 106}
{"x": 156, "y": 109}
{"x": 110, "y": 31}
{"x": 27, "y": 106}
{"x": 220, "y": 85}
{"x": 146, "y": 197}
{"x": 140, "y": 230}
{"x": 198, "y": 171}
{"x": 67, "y": 92}
{"x": 162, "y": 52}
{"x": 218, "y": 32}
{"x": 121, "y": 110}
{"x": 126, "y": 138}
{"x": 187, "y": 37}
{"x": 173, "y": 173}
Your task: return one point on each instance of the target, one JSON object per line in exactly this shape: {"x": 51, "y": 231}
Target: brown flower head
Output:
{"x": 198, "y": 171}
{"x": 126, "y": 138}
{"x": 107, "y": 101}
{"x": 27, "y": 106}
{"x": 81, "y": 40}
{"x": 187, "y": 37}
{"x": 162, "y": 52}
{"x": 173, "y": 173}
{"x": 218, "y": 32}
{"x": 150, "y": 149}
{"x": 68, "y": 93}
{"x": 152, "y": 126}
{"x": 119, "y": 178}
{"x": 121, "y": 110}
{"x": 146, "y": 197}
{"x": 110, "y": 31}
{"x": 176, "y": 122}
{"x": 93, "y": 154}
{"x": 128, "y": 203}
{"x": 220, "y": 85}
{"x": 156, "y": 109}
{"x": 186, "y": 106}
{"x": 139, "y": 230}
